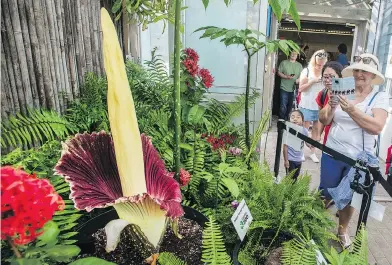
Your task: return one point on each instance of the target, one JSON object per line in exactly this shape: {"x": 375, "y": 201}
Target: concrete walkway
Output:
{"x": 380, "y": 233}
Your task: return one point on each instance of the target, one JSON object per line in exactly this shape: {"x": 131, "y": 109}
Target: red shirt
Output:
{"x": 321, "y": 105}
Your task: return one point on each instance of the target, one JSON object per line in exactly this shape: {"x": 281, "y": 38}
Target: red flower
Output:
{"x": 191, "y": 66}
{"x": 206, "y": 77}
{"x": 27, "y": 203}
{"x": 192, "y": 54}
{"x": 185, "y": 177}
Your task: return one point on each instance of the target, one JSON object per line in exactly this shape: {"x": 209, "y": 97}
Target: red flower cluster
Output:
{"x": 220, "y": 142}
{"x": 27, "y": 203}
{"x": 192, "y": 54}
{"x": 191, "y": 66}
{"x": 206, "y": 77}
{"x": 185, "y": 177}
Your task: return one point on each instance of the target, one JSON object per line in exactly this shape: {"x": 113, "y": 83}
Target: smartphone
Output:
{"x": 343, "y": 87}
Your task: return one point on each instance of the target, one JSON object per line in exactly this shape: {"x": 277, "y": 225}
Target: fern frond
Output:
{"x": 299, "y": 251}
{"x": 360, "y": 247}
{"x": 37, "y": 125}
{"x": 157, "y": 69}
{"x": 214, "y": 251}
{"x": 166, "y": 258}
{"x": 257, "y": 136}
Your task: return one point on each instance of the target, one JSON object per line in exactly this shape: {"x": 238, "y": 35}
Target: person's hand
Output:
{"x": 286, "y": 164}
{"x": 346, "y": 105}
{"x": 333, "y": 102}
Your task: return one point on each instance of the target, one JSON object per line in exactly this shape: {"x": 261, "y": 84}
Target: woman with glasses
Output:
{"x": 355, "y": 125}
{"x": 309, "y": 86}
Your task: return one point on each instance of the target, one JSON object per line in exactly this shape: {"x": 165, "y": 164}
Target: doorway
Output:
{"x": 316, "y": 35}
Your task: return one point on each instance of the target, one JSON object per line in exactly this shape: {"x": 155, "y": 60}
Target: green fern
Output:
{"x": 302, "y": 251}
{"x": 36, "y": 126}
{"x": 220, "y": 115}
{"x": 256, "y": 137}
{"x": 166, "y": 258}
{"x": 157, "y": 69}
{"x": 214, "y": 252}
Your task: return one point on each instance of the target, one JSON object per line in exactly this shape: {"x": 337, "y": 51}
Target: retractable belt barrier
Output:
{"x": 372, "y": 174}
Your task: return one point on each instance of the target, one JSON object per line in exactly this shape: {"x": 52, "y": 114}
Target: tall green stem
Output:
{"x": 177, "y": 87}
{"x": 247, "y": 137}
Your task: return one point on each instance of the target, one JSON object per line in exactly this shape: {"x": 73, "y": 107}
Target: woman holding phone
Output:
{"x": 355, "y": 125}
{"x": 310, "y": 85}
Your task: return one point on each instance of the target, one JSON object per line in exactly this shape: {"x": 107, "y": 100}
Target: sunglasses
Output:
{"x": 322, "y": 55}
{"x": 365, "y": 60}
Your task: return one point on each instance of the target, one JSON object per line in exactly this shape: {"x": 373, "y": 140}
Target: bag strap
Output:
{"x": 324, "y": 95}
{"x": 363, "y": 132}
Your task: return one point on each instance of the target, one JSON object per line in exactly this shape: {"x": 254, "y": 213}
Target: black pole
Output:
{"x": 278, "y": 146}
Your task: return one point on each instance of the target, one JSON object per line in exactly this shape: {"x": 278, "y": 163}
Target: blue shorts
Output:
{"x": 332, "y": 172}
{"x": 310, "y": 115}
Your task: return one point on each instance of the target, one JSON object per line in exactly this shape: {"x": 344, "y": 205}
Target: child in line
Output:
{"x": 293, "y": 158}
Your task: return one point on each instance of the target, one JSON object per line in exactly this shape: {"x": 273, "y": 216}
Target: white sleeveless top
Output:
{"x": 308, "y": 98}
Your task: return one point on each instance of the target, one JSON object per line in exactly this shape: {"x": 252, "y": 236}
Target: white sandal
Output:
{"x": 346, "y": 242}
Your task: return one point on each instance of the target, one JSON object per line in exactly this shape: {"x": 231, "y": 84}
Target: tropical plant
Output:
{"x": 41, "y": 161}
{"x": 135, "y": 183}
{"x": 303, "y": 251}
{"x": 36, "y": 127}
{"x": 214, "y": 251}
{"x": 278, "y": 207}
{"x": 250, "y": 41}
{"x": 89, "y": 112}
{"x": 167, "y": 258}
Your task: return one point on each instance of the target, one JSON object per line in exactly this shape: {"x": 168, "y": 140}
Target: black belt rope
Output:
{"x": 365, "y": 189}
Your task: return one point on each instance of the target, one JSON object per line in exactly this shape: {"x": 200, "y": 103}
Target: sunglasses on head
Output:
{"x": 365, "y": 60}
{"x": 322, "y": 55}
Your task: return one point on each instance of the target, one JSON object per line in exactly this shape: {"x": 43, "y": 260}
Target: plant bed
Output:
{"x": 92, "y": 240}
{"x": 260, "y": 249}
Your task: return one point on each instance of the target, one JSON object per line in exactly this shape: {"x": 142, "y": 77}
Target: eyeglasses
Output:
{"x": 328, "y": 77}
{"x": 322, "y": 55}
{"x": 365, "y": 60}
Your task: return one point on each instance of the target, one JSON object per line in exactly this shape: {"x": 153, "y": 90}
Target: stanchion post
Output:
{"x": 278, "y": 146}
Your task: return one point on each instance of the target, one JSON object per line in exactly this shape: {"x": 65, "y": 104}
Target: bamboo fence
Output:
{"x": 47, "y": 46}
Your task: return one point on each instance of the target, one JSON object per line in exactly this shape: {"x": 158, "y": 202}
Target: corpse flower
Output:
{"x": 123, "y": 169}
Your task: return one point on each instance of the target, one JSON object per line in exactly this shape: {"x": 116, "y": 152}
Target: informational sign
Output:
{"x": 343, "y": 87}
{"x": 292, "y": 140}
{"x": 319, "y": 257}
{"x": 242, "y": 219}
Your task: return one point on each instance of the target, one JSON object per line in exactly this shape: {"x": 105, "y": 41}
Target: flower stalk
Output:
{"x": 177, "y": 88}
{"x": 14, "y": 248}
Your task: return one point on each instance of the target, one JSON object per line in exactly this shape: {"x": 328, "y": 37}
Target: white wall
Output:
{"x": 227, "y": 64}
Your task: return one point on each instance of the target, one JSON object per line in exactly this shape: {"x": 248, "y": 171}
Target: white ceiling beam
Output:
{"x": 333, "y": 13}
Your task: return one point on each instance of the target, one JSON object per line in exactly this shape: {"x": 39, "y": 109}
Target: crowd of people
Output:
{"x": 350, "y": 127}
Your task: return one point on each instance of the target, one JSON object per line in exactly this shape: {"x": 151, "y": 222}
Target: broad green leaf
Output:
{"x": 91, "y": 261}
{"x": 205, "y": 3}
{"x": 195, "y": 115}
{"x": 232, "y": 186}
{"x": 62, "y": 253}
{"x": 293, "y": 12}
{"x": 26, "y": 262}
{"x": 223, "y": 167}
{"x": 234, "y": 170}
{"x": 51, "y": 231}
{"x": 116, "y": 6}
{"x": 186, "y": 146}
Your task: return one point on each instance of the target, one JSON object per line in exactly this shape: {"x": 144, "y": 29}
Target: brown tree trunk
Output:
{"x": 71, "y": 46}
{"x": 80, "y": 56}
{"x": 35, "y": 52}
{"x": 40, "y": 27}
{"x": 97, "y": 50}
{"x": 100, "y": 43}
{"x": 52, "y": 45}
{"x": 28, "y": 54}
{"x": 86, "y": 35}
{"x": 7, "y": 104}
{"x": 8, "y": 71}
{"x": 21, "y": 53}
{"x": 90, "y": 17}
{"x": 13, "y": 56}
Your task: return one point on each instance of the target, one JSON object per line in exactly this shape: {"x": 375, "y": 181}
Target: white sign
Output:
{"x": 319, "y": 257}
{"x": 241, "y": 219}
{"x": 292, "y": 140}
{"x": 376, "y": 210}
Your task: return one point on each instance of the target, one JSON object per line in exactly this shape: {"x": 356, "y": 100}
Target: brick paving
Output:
{"x": 380, "y": 233}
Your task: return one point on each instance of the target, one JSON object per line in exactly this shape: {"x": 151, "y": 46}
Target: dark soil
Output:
{"x": 128, "y": 250}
